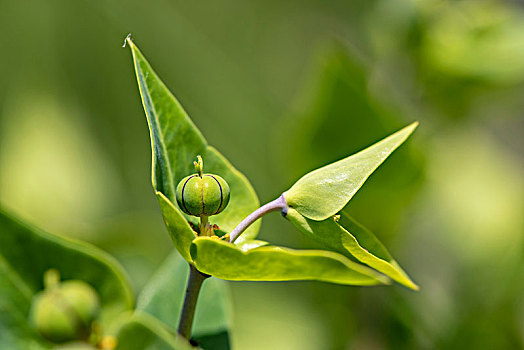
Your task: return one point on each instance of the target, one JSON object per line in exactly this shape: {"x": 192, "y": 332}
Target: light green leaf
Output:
{"x": 142, "y": 332}
{"x": 325, "y": 191}
{"x": 181, "y": 233}
{"x": 350, "y": 238}
{"x": 335, "y": 115}
{"x": 269, "y": 263}
{"x": 26, "y": 253}
{"x": 163, "y": 297}
{"x": 175, "y": 143}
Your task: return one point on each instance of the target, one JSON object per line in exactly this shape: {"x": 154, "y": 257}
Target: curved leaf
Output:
{"x": 179, "y": 230}
{"x": 142, "y": 332}
{"x": 26, "y": 253}
{"x": 269, "y": 263}
{"x": 352, "y": 239}
{"x": 324, "y": 192}
{"x": 163, "y": 297}
{"x": 175, "y": 143}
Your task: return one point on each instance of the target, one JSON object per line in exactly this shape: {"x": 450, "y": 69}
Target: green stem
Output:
{"x": 194, "y": 283}
{"x": 204, "y": 231}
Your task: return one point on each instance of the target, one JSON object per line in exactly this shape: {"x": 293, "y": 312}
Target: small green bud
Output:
{"x": 202, "y": 194}
{"x": 64, "y": 311}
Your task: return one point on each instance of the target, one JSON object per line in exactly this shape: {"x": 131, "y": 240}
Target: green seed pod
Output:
{"x": 202, "y": 194}
{"x": 64, "y": 311}
{"x": 205, "y": 194}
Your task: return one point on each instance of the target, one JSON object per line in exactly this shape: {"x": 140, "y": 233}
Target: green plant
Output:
{"x": 214, "y": 243}
{"x": 64, "y": 311}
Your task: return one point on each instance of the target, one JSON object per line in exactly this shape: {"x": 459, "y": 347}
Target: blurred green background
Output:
{"x": 282, "y": 87}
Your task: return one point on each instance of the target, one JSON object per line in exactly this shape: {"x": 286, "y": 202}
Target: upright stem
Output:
{"x": 194, "y": 283}
{"x": 197, "y": 278}
{"x": 278, "y": 204}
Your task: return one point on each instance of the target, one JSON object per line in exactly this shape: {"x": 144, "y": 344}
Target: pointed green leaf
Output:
{"x": 350, "y": 238}
{"x": 325, "y": 191}
{"x": 335, "y": 115}
{"x": 163, "y": 297}
{"x": 26, "y": 253}
{"x": 175, "y": 143}
{"x": 139, "y": 331}
{"x": 269, "y": 263}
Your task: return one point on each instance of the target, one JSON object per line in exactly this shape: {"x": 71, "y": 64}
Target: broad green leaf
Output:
{"x": 26, "y": 253}
{"x": 175, "y": 143}
{"x": 269, "y": 263}
{"x": 163, "y": 296}
{"x": 140, "y": 331}
{"x": 350, "y": 238}
{"x": 325, "y": 191}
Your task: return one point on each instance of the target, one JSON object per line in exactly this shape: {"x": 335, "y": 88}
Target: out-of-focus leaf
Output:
{"x": 269, "y": 263}
{"x": 142, "y": 332}
{"x": 472, "y": 39}
{"x": 15, "y": 331}
{"x": 26, "y": 253}
{"x": 350, "y": 238}
{"x": 175, "y": 143}
{"x": 218, "y": 341}
{"x": 325, "y": 191}
{"x": 163, "y": 297}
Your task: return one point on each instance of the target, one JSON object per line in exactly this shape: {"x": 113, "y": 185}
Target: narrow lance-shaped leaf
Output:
{"x": 163, "y": 297}
{"x": 269, "y": 263}
{"x": 325, "y": 191}
{"x": 350, "y": 238}
{"x": 26, "y": 253}
{"x": 175, "y": 143}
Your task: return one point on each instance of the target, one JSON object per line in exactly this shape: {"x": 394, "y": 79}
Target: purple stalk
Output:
{"x": 278, "y": 204}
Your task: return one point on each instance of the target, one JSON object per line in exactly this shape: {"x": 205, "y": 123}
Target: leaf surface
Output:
{"x": 270, "y": 263}
{"x": 179, "y": 230}
{"x": 325, "y": 191}
{"x": 350, "y": 238}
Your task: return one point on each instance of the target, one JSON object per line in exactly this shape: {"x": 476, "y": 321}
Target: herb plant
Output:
{"x": 213, "y": 216}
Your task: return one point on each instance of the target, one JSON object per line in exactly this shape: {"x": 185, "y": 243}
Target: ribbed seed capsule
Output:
{"x": 205, "y": 194}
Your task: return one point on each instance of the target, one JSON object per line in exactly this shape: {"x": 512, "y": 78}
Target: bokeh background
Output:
{"x": 282, "y": 87}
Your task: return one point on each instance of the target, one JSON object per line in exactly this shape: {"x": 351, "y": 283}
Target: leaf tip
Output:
{"x": 414, "y": 287}
{"x": 413, "y": 126}
{"x": 127, "y": 40}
